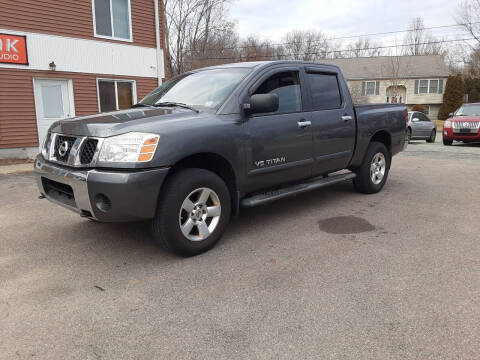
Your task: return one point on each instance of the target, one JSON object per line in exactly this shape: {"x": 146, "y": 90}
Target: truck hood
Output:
{"x": 120, "y": 122}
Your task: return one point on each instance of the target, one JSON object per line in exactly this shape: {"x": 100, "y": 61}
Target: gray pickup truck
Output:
{"x": 198, "y": 148}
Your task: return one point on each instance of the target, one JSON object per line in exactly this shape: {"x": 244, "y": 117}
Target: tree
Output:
{"x": 472, "y": 89}
{"x": 453, "y": 96}
{"x": 306, "y": 45}
{"x": 468, "y": 16}
{"x": 358, "y": 97}
{"x": 363, "y": 47}
{"x": 191, "y": 26}
{"x": 420, "y": 42}
{"x": 254, "y": 49}
{"x": 418, "y": 107}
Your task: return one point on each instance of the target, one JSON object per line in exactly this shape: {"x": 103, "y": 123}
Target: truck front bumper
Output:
{"x": 104, "y": 195}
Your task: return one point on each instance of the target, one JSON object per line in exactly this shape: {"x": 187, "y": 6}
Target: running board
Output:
{"x": 295, "y": 189}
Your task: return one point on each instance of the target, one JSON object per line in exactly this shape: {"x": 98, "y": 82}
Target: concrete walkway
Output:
{"x": 16, "y": 169}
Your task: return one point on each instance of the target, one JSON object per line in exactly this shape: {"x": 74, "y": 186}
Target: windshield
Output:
{"x": 469, "y": 110}
{"x": 206, "y": 89}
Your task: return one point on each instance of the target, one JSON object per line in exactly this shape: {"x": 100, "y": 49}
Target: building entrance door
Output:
{"x": 53, "y": 101}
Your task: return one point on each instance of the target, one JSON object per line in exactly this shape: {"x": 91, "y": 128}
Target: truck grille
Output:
{"x": 472, "y": 125}
{"x": 72, "y": 150}
{"x": 63, "y": 146}
{"x": 88, "y": 151}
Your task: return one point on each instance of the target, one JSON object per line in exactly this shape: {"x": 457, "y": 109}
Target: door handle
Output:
{"x": 346, "y": 118}
{"x": 304, "y": 123}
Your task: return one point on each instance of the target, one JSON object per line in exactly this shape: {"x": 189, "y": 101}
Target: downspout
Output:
{"x": 157, "y": 39}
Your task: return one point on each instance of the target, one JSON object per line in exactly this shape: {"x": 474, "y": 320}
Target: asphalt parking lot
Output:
{"x": 331, "y": 274}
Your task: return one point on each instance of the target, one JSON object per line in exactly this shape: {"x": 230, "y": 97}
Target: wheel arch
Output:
{"x": 384, "y": 137}
{"x": 215, "y": 163}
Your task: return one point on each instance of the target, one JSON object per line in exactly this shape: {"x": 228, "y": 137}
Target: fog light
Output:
{"x": 103, "y": 203}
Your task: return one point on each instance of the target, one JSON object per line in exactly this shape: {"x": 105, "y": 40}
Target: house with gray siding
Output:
{"x": 408, "y": 80}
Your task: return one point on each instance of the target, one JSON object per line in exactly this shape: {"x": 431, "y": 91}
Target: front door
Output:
{"x": 281, "y": 143}
{"x": 52, "y": 102}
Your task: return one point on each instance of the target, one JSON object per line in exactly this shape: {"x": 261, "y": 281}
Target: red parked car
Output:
{"x": 463, "y": 125}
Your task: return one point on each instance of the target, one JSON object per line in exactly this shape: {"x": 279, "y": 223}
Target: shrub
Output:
{"x": 453, "y": 96}
{"x": 418, "y": 107}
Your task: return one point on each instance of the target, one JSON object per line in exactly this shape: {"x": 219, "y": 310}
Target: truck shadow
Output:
{"x": 133, "y": 242}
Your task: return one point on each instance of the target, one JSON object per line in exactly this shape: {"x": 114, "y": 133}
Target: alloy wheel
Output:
{"x": 200, "y": 214}
{"x": 377, "y": 168}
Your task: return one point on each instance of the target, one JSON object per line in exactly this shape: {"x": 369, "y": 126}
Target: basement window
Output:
{"x": 115, "y": 94}
{"x": 112, "y": 19}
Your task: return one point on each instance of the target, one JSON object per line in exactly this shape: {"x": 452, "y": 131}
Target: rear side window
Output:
{"x": 325, "y": 91}
{"x": 287, "y": 86}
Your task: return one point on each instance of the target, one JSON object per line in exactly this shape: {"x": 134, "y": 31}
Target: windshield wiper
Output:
{"x": 173, "y": 104}
{"x": 141, "y": 105}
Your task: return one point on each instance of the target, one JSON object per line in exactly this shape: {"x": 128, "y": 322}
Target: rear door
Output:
{"x": 332, "y": 117}
{"x": 280, "y": 143}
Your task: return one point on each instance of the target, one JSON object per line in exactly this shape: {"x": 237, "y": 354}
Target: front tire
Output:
{"x": 447, "y": 142}
{"x": 373, "y": 173}
{"x": 432, "y": 137}
{"x": 193, "y": 212}
{"x": 409, "y": 135}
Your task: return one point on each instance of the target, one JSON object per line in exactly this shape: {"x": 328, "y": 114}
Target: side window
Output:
{"x": 325, "y": 91}
{"x": 287, "y": 86}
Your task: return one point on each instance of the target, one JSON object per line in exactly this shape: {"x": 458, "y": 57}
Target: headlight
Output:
{"x": 130, "y": 147}
{"x": 448, "y": 124}
{"x": 46, "y": 146}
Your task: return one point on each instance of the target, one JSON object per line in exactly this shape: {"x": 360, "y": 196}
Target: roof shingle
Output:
{"x": 383, "y": 67}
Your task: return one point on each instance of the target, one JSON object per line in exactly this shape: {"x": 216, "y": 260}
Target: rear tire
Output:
{"x": 192, "y": 213}
{"x": 373, "y": 173}
{"x": 432, "y": 137}
{"x": 447, "y": 142}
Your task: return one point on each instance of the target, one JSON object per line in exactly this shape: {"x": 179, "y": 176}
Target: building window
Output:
{"x": 423, "y": 87}
{"x": 427, "y": 109}
{"x": 115, "y": 94}
{"x": 434, "y": 86}
{"x": 112, "y": 19}
{"x": 370, "y": 88}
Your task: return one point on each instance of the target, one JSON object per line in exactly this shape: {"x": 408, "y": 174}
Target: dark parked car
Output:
{"x": 209, "y": 141}
{"x": 420, "y": 127}
{"x": 463, "y": 125}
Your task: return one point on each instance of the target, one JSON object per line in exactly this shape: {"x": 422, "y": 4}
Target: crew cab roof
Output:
{"x": 261, "y": 64}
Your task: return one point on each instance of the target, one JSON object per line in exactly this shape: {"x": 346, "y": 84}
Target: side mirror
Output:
{"x": 261, "y": 103}
{"x": 415, "y": 119}
{"x": 450, "y": 115}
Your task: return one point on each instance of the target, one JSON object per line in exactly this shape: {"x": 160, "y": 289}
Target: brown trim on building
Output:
{"x": 73, "y": 18}
{"x": 18, "y": 121}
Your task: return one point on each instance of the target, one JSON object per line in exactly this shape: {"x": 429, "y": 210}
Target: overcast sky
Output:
{"x": 270, "y": 19}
